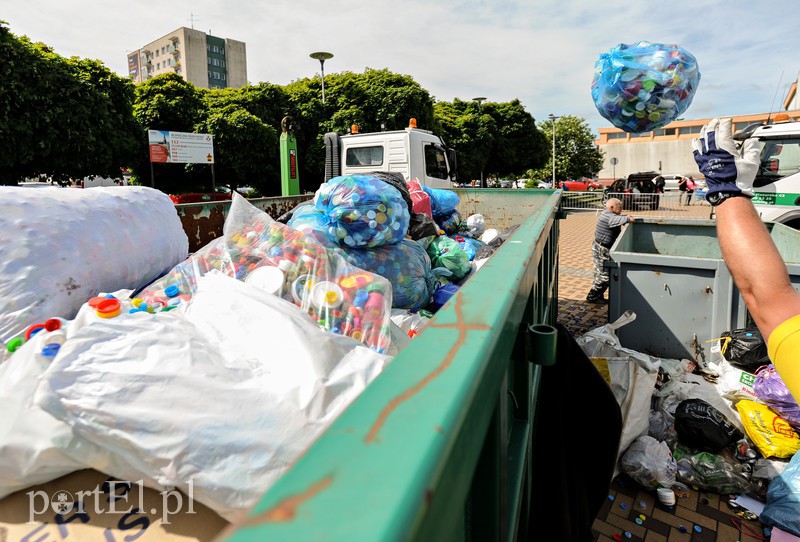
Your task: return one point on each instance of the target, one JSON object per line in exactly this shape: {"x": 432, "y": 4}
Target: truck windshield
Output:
{"x": 364, "y": 156}
{"x": 779, "y": 158}
{"x": 435, "y": 163}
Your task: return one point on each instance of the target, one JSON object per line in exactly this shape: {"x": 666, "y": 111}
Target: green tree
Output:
{"x": 470, "y": 132}
{"x": 168, "y": 102}
{"x": 576, "y": 154}
{"x": 493, "y": 139}
{"x": 59, "y": 117}
{"x": 245, "y": 150}
{"x": 374, "y": 100}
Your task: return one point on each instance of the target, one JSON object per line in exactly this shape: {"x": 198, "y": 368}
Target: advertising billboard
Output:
{"x": 133, "y": 66}
{"x": 181, "y": 147}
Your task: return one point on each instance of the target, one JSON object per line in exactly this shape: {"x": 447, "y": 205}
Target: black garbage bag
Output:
{"x": 702, "y": 427}
{"x": 745, "y": 348}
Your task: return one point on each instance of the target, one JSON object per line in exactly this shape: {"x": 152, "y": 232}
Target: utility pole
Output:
{"x": 554, "y": 119}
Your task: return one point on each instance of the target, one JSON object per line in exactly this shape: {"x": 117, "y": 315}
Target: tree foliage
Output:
{"x": 73, "y": 117}
{"x": 246, "y": 150}
{"x": 59, "y": 117}
{"x": 494, "y": 139}
{"x": 576, "y": 154}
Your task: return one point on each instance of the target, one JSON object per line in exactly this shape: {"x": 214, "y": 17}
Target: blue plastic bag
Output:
{"x": 443, "y": 202}
{"x": 644, "y": 86}
{"x": 363, "y": 211}
{"x": 783, "y": 499}
{"x": 405, "y": 264}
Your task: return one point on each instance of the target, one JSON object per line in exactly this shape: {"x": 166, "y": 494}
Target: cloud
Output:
{"x": 542, "y": 52}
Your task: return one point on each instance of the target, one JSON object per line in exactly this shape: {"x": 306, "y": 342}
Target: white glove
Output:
{"x": 725, "y": 168}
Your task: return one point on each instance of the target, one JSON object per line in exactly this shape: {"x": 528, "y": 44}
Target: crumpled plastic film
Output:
{"x": 61, "y": 246}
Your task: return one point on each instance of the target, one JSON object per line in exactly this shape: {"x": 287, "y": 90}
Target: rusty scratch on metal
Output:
{"x": 397, "y": 401}
{"x": 286, "y": 510}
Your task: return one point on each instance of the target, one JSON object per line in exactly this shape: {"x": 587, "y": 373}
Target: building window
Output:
{"x": 158, "y": 65}
{"x": 691, "y": 130}
{"x": 223, "y": 77}
{"x": 163, "y": 50}
{"x": 156, "y": 52}
{"x": 665, "y": 132}
{"x": 209, "y": 60}
{"x": 222, "y": 63}
{"x": 616, "y": 135}
{"x": 643, "y": 134}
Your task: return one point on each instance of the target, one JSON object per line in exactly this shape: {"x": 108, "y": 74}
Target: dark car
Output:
{"x": 637, "y": 192}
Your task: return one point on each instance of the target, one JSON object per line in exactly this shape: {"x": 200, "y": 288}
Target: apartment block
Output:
{"x": 202, "y": 59}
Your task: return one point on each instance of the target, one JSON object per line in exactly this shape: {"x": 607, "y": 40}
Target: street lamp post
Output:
{"x": 480, "y": 100}
{"x": 322, "y": 57}
{"x": 554, "y": 119}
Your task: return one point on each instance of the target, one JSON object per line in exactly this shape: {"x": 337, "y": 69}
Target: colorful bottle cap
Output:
{"x": 171, "y": 291}
{"x": 268, "y": 278}
{"x": 93, "y": 302}
{"x": 108, "y": 308}
{"x": 52, "y": 324}
{"x": 13, "y": 344}
{"x": 54, "y": 337}
{"x": 50, "y": 350}
{"x": 33, "y": 330}
{"x": 326, "y": 294}
{"x": 301, "y": 288}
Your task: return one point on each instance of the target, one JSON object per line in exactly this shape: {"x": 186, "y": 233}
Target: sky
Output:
{"x": 539, "y": 51}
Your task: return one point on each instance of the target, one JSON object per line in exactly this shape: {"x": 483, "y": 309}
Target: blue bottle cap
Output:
{"x": 171, "y": 291}
{"x": 50, "y": 350}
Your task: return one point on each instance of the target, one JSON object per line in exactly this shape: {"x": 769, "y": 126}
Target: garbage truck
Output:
{"x": 413, "y": 152}
{"x": 468, "y": 433}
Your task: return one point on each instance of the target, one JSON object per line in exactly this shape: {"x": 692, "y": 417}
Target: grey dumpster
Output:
{"x": 671, "y": 274}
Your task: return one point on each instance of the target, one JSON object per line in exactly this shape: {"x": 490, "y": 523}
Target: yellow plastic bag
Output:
{"x": 770, "y": 433}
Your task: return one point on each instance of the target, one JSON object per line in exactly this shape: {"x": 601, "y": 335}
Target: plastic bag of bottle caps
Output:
{"x": 363, "y": 211}
{"x": 274, "y": 257}
{"x": 643, "y": 86}
{"x": 405, "y": 264}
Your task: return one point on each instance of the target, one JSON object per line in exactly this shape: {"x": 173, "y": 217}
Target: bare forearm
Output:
{"x": 755, "y": 264}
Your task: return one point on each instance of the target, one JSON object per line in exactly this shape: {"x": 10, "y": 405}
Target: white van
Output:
{"x": 777, "y": 183}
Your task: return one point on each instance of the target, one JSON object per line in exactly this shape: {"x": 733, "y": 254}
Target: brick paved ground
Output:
{"x": 631, "y": 513}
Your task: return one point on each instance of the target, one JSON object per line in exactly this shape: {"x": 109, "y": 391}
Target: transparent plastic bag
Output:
{"x": 340, "y": 297}
{"x": 649, "y": 462}
{"x": 643, "y": 86}
{"x": 770, "y": 388}
{"x": 363, "y": 211}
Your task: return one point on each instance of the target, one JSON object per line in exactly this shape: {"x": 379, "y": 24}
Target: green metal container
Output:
{"x": 438, "y": 447}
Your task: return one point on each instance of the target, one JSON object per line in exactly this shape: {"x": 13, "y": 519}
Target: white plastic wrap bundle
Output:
{"x": 61, "y": 246}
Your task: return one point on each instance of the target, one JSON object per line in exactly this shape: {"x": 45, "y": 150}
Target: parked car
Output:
{"x": 581, "y": 185}
{"x": 637, "y": 192}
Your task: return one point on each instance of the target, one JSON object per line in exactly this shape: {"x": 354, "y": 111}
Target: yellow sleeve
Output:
{"x": 784, "y": 351}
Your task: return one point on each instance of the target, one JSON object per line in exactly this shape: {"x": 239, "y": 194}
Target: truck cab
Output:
{"x": 413, "y": 152}
{"x": 777, "y": 183}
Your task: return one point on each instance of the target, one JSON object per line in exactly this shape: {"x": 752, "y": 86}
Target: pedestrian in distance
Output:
{"x": 757, "y": 268}
{"x": 660, "y": 183}
{"x": 608, "y": 228}
{"x": 686, "y": 185}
